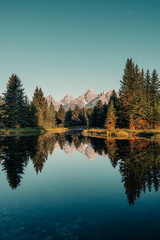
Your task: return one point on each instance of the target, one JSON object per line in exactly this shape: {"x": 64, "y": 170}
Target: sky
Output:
{"x": 68, "y": 46}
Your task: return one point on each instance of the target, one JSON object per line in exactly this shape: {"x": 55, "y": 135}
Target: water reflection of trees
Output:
{"x": 43, "y": 146}
{"x": 15, "y": 153}
{"x": 140, "y": 169}
{"x": 14, "y": 158}
{"x": 138, "y": 160}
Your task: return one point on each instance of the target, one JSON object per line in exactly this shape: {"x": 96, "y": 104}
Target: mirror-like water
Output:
{"x": 74, "y": 187}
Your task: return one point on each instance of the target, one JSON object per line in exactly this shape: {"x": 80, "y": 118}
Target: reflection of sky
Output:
{"x": 73, "y": 196}
{"x": 77, "y": 44}
{"x": 71, "y": 174}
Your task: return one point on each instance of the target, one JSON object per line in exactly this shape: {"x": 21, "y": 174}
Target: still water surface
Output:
{"x": 73, "y": 187}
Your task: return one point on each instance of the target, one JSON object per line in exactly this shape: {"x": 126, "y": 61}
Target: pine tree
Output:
{"x": 51, "y": 116}
{"x": 75, "y": 116}
{"x": 97, "y": 115}
{"x": 99, "y": 119}
{"x": 68, "y": 118}
{"x": 0, "y": 112}
{"x": 93, "y": 117}
{"x": 148, "y": 96}
{"x": 14, "y": 104}
{"x": 83, "y": 117}
{"x": 155, "y": 99}
{"x": 128, "y": 85}
{"x": 61, "y": 116}
{"x": 139, "y": 108}
{"x": 40, "y": 104}
{"x": 133, "y": 98}
{"x": 32, "y": 116}
{"x": 89, "y": 114}
{"x": 110, "y": 122}
{"x": 115, "y": 99}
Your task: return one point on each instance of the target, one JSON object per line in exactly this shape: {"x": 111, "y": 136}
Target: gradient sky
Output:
{"x": 67, "y": 46}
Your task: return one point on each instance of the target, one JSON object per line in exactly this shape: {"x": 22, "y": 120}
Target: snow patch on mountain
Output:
{"x": 87, "y": 99}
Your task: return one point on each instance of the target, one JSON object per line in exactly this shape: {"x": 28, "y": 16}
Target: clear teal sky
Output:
{"x": 67, "y": 46}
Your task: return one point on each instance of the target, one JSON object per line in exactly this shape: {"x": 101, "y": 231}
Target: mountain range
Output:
{"x": 87, "y": 99}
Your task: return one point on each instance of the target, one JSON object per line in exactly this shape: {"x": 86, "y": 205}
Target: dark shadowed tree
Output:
{"x": 61, "y": 116}
{"x": 83, "y": 117}
{"x": 97, "y": 115}
{"x": 15, "y": 104}
{"x": 1, "y": 112}
{"x": 75, "y": 116}
{"x": 155, "y": 99}
{"x": 68, "y": 118}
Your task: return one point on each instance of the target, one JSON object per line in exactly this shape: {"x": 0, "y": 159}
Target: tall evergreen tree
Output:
{"x": 110, "y": 122}
{"x": 40, "y": 104}
{"x": 14, "y": 104}
{"x": 83, "y": 117}
{"x": 61, "y": 116}
{"x": 148, "y": 96}
{"x": 97, "y": 115}
{"x": 139, "y": 110}
{"x": 155, "y": 99}
{"x": 89, "y": 114}
{"x": 75, "y": 116}
{"x": 126, "y": 91}
{"x": 133, "y": 101}
{"x": 32, "y": 115}
{"x": 68, "y": 118}
{"x": 114, "y": 97}
{"x": 147, "y": 83}
{"x": 51, "y": 116}
{"x": 99, "y": 119}
{"x": 0, "y": 111}
{"x": 104, "y": 113}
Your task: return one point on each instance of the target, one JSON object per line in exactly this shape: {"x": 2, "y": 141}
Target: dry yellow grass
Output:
{"x": 122, "y": 133}
{"x": 29, "y": 131}
{"x": 20, "y": 131}
{"x": 57, "y": 130}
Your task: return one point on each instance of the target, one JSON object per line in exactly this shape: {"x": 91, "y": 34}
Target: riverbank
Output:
{"x": 90, "y": 132}
{"x": 30, "y": 131}
{"x": 122, "y": 133}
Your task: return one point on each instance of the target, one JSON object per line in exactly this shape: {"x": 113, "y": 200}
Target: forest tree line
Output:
{"x": 136, "y": 107}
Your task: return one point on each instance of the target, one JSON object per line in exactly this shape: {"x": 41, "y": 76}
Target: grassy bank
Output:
{"x": 29, "y": 131}
{"x": 92, "y": 132}
{"x": 57, "y": 130}
{"x": 122, "y": 133}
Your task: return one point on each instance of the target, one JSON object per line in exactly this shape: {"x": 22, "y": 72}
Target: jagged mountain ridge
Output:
{"x": 88, "y": 99}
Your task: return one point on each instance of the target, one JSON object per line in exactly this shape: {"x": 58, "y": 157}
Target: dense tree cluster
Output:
{"x": 139, "y": 100}
{"x": 137, "y": 106}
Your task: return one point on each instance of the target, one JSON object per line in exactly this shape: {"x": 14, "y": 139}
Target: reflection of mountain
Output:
{"x": 84, "y": 148}
{"x": 138, "y": 160}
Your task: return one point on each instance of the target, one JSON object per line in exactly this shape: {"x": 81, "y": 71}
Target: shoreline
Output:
{"x": 30, "y": 131}
{"x": 89, "y": 132}
{"x": 123, "y": 133}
